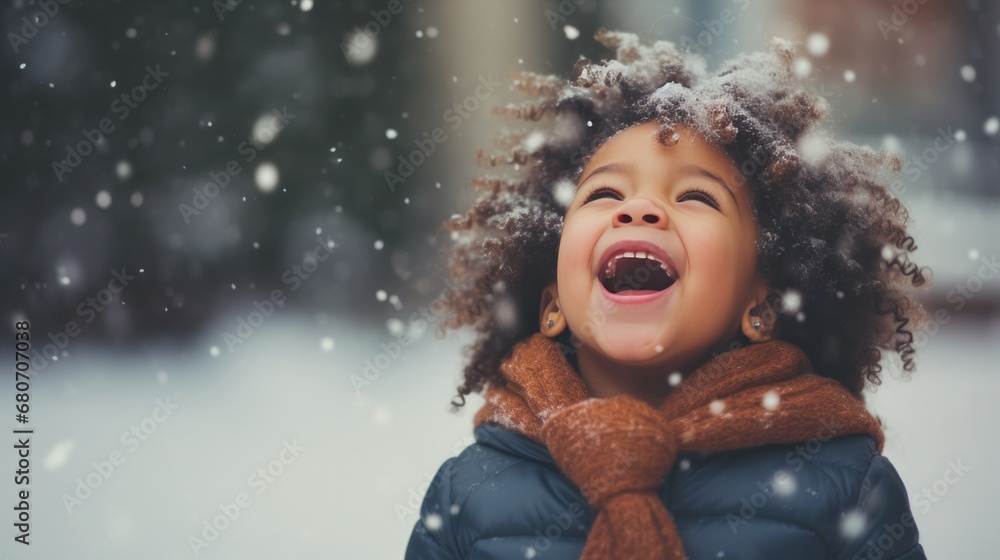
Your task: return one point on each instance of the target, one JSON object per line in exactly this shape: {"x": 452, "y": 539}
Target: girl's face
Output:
{"x": 657, "y": 257}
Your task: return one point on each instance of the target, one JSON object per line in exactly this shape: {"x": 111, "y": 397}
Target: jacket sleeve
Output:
{"x": 433, "y": 534}
{"x": 880, "y": 525}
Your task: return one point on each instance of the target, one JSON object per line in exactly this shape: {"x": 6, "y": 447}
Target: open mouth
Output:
{"x": 635, "y": 273}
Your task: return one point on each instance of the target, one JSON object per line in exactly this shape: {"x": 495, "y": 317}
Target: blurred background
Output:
{"x": 222, "y": 221}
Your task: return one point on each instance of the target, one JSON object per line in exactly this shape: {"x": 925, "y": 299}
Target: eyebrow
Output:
{"x": 615, "y": 167}
{"x": 702, "y": 172}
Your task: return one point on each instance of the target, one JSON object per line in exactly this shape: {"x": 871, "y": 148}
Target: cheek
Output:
{"x": 716, "y": 265}
{"x": 575, "y": 249}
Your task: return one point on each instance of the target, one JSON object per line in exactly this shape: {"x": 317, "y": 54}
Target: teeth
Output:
{"x": 612, "y": 264}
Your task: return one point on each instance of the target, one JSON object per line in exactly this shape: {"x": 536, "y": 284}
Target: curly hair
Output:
{"x": 832, "y": 243}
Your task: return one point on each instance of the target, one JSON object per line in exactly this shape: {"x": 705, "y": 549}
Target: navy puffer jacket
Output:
{"x": 504, "y": 497}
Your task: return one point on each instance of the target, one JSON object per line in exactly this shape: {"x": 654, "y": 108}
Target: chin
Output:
{"x": 630, "y": 343}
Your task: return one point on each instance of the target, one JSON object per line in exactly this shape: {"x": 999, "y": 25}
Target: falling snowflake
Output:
{"x": 103, "y": 199}
{"x": 433, "y": 522}
{"x": 791, "y": 301}
{"x": 817, "y": 44}
{"x": 784, "y": 484}
{"x": 395, "y": 326}
{"x": 563, "y": 192}
{"x": 361, "y": 47}
{"x": 852, "y": 524}
{"x": 571, "y": 32}
{"x": 802, "y": 67}
{"x": 968, "y": 73}
{"x": 534, "y": 140}
{"x": 716, "y": 407}
{"x": 771, "y": 400}
{"x": 892, "y": 144}
{"x": 78, "y": 216}
{"x": 991, "y": 126}
{"x": 266, "y": 177}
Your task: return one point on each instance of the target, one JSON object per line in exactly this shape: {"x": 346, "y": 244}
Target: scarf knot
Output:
{"x": 603, "y": 445}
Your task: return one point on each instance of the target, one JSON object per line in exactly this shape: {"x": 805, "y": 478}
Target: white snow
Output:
{"x": 968, "y": 73}
{"x": 123, "y": 169}
{"x": 991, "y": 126}
{"x": 791, "y": 301}
{"x": 771, "y": 400}
{"x": 852, "y": 523}
{"x": 266, "y": 177}
{"x": 266, "y": 128}
{"x": 564, "y": 192}
{"x": 817, "y": 44}
{"x": 802, "y": 67}
{"x": 103, "y": 199}
{"x": 361, "y": 48}
{"x": 785, "y": 484}
{"x": 78, "y": 216}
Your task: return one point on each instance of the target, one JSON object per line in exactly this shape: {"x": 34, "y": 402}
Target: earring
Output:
{"x": 550, "y": 324}
{"x": 756, "y": 324}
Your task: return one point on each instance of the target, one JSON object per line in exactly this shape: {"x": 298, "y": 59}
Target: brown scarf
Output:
{"x": 618, "y": 450}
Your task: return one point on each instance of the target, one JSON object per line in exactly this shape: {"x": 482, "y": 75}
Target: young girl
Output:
{"x": 680, "y": 293}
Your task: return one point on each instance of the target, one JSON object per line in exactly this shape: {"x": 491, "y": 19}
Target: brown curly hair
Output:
{"x": 832, "y": 235}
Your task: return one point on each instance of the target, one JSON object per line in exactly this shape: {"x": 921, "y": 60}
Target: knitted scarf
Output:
{"x": 618, "y": 450}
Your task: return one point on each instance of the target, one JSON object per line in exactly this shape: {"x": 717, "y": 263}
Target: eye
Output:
{"x": 602, "y": 192}
{"x": 699, "y": 194}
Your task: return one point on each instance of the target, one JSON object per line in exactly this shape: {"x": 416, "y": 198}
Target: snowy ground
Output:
{"x": 363, "y": 461}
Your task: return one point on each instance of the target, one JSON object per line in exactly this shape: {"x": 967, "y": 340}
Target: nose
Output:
{"x": 639, "y": 209}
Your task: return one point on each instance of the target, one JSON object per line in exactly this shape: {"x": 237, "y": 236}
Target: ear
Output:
{"x": 551, "y": 321}
{"x": 759, "y": 320}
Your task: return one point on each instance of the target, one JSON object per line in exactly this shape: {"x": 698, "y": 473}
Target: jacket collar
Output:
{"x": 498, "y": 437}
